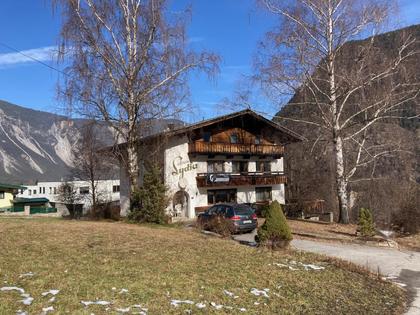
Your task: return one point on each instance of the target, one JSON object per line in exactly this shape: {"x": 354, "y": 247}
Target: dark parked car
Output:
{"x": 241, "y": 216}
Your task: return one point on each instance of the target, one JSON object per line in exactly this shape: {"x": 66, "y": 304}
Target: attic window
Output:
{"x": 258, "y": 140}
{"x": 1, "y": 194}
{"x": 234, "y": 138}
{"x": 207, "y": 137}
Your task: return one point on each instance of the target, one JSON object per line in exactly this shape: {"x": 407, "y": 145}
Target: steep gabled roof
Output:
{"x": 205, "y": 123}
{"x": 216, "y": 120}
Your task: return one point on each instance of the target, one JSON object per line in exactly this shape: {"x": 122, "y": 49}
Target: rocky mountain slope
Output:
{"x": 36, "y": 145}
{"x": 311, "y": 167}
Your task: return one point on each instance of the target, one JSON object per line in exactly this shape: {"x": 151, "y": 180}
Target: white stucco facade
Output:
{"x": 180, "y": 170}
{"x": 107, "y": 190}
{"x": 232, "y": 158}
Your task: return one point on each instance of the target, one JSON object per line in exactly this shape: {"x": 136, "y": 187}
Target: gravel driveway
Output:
{"x": 400, "y": 266}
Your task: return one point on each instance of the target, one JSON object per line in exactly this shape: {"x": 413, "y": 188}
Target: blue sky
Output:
{"x": 230, "y": 28}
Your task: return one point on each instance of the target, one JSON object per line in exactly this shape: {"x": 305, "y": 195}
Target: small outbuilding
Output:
{"x": 33, "y": 205}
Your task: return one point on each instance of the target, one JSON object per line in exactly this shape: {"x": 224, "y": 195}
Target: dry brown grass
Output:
{"x": 334, "y": 230}
{"x": 85, "y": 260}
{"x": 344, "y": 233}
{"x": 410, "y": 241}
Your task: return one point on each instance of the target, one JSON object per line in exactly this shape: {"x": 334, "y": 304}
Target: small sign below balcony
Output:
{"x": 218, "y": 178}
{"x": 243, "y": 179}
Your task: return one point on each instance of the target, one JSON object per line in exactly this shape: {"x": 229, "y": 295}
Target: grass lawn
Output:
{"x": 91, "y": 261}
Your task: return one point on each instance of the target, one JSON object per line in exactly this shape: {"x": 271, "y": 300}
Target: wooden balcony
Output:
{"x": 243, "y": 179}
{"x": 201, "y": 147}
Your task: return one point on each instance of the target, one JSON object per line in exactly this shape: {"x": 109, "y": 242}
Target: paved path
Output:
{"x": 400, "y": 265}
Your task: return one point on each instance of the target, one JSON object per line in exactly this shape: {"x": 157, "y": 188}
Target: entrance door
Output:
{"x": 180, "y": 204}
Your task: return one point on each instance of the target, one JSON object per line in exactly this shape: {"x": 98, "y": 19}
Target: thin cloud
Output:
{"x": 27, "y": 56}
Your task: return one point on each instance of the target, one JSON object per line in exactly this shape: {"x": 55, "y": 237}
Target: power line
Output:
{"x": 34, "y": 59}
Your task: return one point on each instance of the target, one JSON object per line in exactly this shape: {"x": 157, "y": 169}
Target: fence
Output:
{"x": 35, "y": 210}
{"x": 17, "y": 208}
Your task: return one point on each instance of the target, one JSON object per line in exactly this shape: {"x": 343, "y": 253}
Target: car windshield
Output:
{"x": 243, "y": 210}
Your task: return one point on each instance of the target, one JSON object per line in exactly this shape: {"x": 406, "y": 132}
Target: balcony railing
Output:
{"x": 242, "y": 179}
{"x": 235, "y": 148}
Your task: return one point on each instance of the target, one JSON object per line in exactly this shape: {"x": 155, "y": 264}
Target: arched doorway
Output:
{"x": 180, "y": 204}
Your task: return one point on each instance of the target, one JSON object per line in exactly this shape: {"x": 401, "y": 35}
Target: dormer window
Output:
{"x": 258, "y": 140}
{"x": 234, "y": 138}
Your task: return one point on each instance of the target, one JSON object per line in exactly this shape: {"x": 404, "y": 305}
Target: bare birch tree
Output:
{"x": 91, "y": 164}
{"x": 128, "y": 63}
{"x": 311, "y": 54}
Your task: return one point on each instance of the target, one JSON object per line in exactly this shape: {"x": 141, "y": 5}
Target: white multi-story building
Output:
{"x": 107, "y": 190}
{"x": 233, "y": 158}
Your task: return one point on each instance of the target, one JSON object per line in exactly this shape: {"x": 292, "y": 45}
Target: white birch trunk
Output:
{"x": 340, "y": 176}
{"x": 132, "y": 155}
{"x": 341, "y": 181}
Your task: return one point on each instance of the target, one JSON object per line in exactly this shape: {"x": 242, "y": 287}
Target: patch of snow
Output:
{"x": 52, "y": 299}
{"x": 200, "y": 305}
{"x": 103, "y": 303}
{"x": 48, "y": 309}
{"x": 257, "y": 292}
{"x": 28, "y": 274}
{"x": 52, "y": 292}
{"x": 242, "y": 309}
{"x": 123, "y": 310}
{"x": 113, "y": 288}
{"x": 292, "y": 265}
{"x": 123, "y": 291}
{"x": 231, "y": 294}
{"x": 140, "y": 306}
{"x": 12, "y": 289}
{"x": 390, "y": 277}
{"x": 386, "y": 233}
{"x": 403, "y": 285}
{"x": 27, "y": 300}
{"x": 312, "y": 267}
{"x": 142, "y": 310}
{"x": 20, "y": 312}
{"x": 216, "y": 306}
{"x": 280, "y": 265}
{"x": 176, "y": 303}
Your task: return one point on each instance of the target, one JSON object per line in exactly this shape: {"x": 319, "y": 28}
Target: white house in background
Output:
{"x": 109, "y": 191}
{"x": 232, "y": 158}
